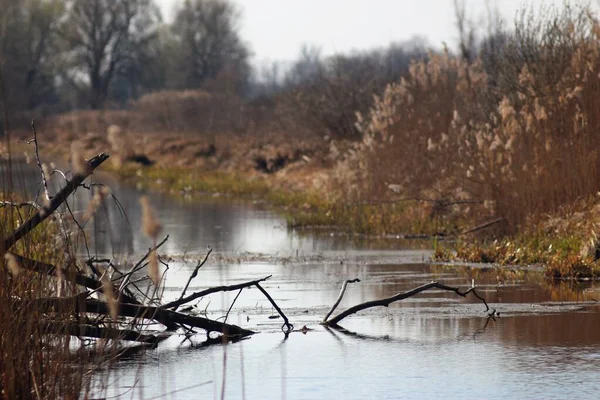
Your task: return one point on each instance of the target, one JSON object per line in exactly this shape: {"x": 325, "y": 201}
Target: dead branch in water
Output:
{"x": 215, "y": 289}
{"x": 286, "y": 327}
{"x": 401, "y": 296}
{"x": 81, "y": 305}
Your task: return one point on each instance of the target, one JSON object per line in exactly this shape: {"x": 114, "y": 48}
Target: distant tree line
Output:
{"x": 60, "y": 54}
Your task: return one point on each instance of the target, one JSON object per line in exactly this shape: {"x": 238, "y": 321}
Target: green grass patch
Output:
{"x": 563, "y": 257}
{"x": 302, "y": 209}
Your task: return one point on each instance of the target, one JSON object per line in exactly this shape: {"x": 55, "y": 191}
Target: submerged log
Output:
{"x": 79, "y": 304}
{"x": 94, "y": 331}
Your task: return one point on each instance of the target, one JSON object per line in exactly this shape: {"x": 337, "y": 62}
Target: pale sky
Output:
{"x": 276, "y": 29}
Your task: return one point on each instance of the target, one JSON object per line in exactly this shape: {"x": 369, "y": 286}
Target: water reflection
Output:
{"x": 434, "y": 345}
{"x": 545, "y": 344}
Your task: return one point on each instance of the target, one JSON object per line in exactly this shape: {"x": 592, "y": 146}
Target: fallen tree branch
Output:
{"x": 165, "y": 317}
{"x": 482, "y": 226}
{"x": 401, "y": 296}
{"x": 229, "y": 288}
{"x": 56, "y": 201}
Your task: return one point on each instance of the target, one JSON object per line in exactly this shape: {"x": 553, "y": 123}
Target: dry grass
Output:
{"x": 38, "y": 356}
{"x": 33, "y": 363}
{"x": 517, "y": 146}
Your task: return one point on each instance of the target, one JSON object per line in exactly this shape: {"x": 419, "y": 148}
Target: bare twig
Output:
{"x": 140, "y": 264}
{"x": 342, "y": 291}
{"x": 232, "y": 303}
{"x": 39, "y": 162}
{"x": 482, "y": 226}
{"x": 33, "y": 204}
{"x": 195, "y": 273}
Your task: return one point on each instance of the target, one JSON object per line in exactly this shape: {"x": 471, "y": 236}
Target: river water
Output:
{"x": 544, "y": 344}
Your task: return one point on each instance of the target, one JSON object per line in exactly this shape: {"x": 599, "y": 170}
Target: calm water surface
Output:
{"x": 545, "y": 344}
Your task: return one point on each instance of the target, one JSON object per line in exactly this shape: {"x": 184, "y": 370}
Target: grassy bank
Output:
{"x": 302, "y": 208}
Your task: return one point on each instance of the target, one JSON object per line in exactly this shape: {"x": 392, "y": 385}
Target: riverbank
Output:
{"x": 293, "y": 176}
{"x": 302, "y": 187}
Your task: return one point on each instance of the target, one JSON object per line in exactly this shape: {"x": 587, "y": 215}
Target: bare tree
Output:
{"x": 466, "y": 31}
{"x": 209, "y": 44}
{"x": 27, "y": 49}
{"x": 104, "y": 39}
{"x": 326, "y": 93}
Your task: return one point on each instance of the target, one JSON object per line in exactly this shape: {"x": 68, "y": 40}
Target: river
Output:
{"x": 544, "y": 344}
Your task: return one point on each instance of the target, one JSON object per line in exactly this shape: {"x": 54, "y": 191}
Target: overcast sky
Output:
{"x": 276, "y": 29}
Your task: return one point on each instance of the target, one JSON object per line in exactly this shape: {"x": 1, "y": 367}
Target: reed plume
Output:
{"x": 153, "y": 271}
{"x": 12, "y": 264}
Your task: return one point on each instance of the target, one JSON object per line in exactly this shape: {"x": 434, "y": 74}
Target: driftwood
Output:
{"x": 400, "y": 296}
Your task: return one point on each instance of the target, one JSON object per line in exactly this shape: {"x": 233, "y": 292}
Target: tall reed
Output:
{"x": 513, "y": 136}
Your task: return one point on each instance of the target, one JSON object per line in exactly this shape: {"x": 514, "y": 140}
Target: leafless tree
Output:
{"x": 326, "y": 93}
{"x": 208, "y": 42}
{"x": 27, "y": 49}
{"x": 466, "y": 31}
{"x": 103, "y": 39}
